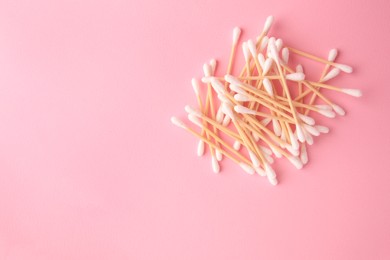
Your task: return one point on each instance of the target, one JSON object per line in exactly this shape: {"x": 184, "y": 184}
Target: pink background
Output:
{"x": 91, "y": 168}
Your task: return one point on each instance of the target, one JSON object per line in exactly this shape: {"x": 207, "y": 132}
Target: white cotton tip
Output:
{"x": 265, "y": 121}
{"x": 276, "y": 127}
{"x": 227, "y": 110}
{"x": 269, "y": 171}
{"x": 299, "y": 68}
{"x": 273, "y": 181}
{"x": 294, "y": 141}
{"x": 236, "y": 35}
{"x": 255, "y": 136}
{"x": 248, "y": 169}
{"x": 195, "y": 120}
{"x": 217, "y": 86}
{"x": 295, "y": 161}
{"x": 276, "y": 152}
{"x": 244, "y": 110}
{"x": 322, "y": 129}
{"x": 232, "y": 80}
{"x": 331, "y": 74}
{"x": 207, "y": 70}
{"x": 264, "y": 43}
{"x": 195, "y": 85}
{"x": 338, "y": 110}
{"x": 218, "y": 155}
{"x": 252, "y": 48}
{"x": 215, "y": 165}
{"x": 343, "y": 67}
{"x": 260, "y": 171}
{"x": 265, "y": 150}
{"x": 327, "y": 113}
{"x": 245, "y": 50}
{"x": 193, "y": 111}
{"x": 297, "y": 76}
{"x": 206, "y": 80}
{"x": 237, "y": 89}
{"x": 268, "y": 24}
{"x": 312, "y": 130}
{"x": 285, "y": 55}
{"x": 224, "y": 99}
{"x": 226, "y": 121}
{"x": 303, "y": 155}
{"x": 294, "y": 152}
{"x": 307, "y": 119}
{"x": 267, "y": 66}
{"x": 200, "y": 150}
{"x": 274, "y": 53}
{"x": 213, "y": 64}
{"x": 300, "y": 134}
{"x": 332, "y": 55}
{"x": 219, "y": 116}
{"x": 269, "y": 159}
{"x": 268, "y": 87}
{"x": 241, "y": 97}
{"x": 255, "y": 161}
{"x": 352, "y": 92}
{"x": 271, "y": 41}
{"x": 236, "y": 145}
{"x": 177, "y": 122}
{"x": 279, "y": 44}
{"x": 323, "y": 107}
{"x": 261, "y": 59}
{"x": 309, "y": 139}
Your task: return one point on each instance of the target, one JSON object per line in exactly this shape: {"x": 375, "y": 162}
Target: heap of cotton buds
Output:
{"x": 265, "y": 109}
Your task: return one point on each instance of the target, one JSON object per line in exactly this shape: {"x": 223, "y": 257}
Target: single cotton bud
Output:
{"x": 200, "y": 150}
{"x": 237, "y": 145}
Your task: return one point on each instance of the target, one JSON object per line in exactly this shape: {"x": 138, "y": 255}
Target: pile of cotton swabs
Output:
{"x": 265, "y": 109}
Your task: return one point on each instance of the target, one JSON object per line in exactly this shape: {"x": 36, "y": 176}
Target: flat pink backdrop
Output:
{"x": 91, "y": 167}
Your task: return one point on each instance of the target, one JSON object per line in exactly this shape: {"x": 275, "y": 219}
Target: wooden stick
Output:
{"x": 201, "y": 108}
{"x": 255, "y": 146}
{"x": 242, "y": 158}
{"x": 284, "y": 84}
{"x": 236, "y": 36}
{"x": 272, "y": 108}
{"x": 265, "y": 129}
{"x": 283, "y": 152}
{"x": 311, "y": 88}
{"x": 314, "y": 96}
{"x": 312, "y": 57}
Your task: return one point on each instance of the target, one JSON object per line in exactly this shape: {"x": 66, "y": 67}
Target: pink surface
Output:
{"x": 91, "y": 167}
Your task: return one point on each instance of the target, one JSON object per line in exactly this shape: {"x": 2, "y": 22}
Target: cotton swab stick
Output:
{"x": 342, "y": 67}
{"x": 331, "y": 57}
{"x": 348, "y": 91}
{"x": 195, "y": 85}
{"x": 243, "y": 110}
{"x": 236, "y": 37}
{"x": 295, "y": 161}
{"x": 234, "y": 82}
{"x": 208, "y": 72}
{"x": 245, "y": 165}
{"x": 335, "y": 107}
{"x": 246, "y": 138}
{"x": 263, "y": 128}
{"x": 275, "y": 123}
{"x": 220, "y": 127}
{"x": 267, "y": 26}
{"x": 298, "y": 128}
